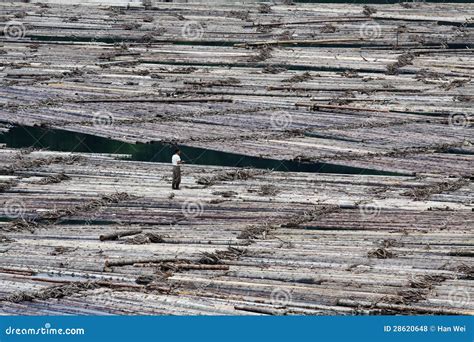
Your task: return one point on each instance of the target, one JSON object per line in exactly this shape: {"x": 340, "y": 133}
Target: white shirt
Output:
{"x": 176, "y": 158}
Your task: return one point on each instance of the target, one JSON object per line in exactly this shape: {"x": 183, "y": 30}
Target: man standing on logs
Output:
{"x": 176, "y": 161}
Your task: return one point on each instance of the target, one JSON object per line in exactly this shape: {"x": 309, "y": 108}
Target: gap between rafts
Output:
{"x": 66, "y": 141}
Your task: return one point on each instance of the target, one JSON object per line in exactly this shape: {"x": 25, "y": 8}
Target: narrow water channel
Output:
{"x": 66, "y": 141}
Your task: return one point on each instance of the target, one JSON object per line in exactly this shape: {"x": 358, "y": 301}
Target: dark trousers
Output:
{"x": 176, "y": 177}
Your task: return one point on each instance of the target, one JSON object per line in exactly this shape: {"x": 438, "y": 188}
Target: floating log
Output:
{"x": 118, "y": 235}
{"x": 109, "y": 263}
{"x": 297, "y": 42}
{"x": 184, "y": 100}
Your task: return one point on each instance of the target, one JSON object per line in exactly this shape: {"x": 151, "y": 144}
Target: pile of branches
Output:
{"x": 311, "y": 215}
{"x": 268, "y": 190}
{"x": 306, "y": 76}
{"x": 265, "y": 52}
{"x": 425, "y": 191}
{"x": 256, "y": 232}
{"x": 6, "y": 239}
{"x": 380, "y": 253}
{"x": 411, "y": 296}
{"x": 30, "y": 224}
{"x": 466, "y": 270}
{"x": 427, "y": 281}
{"x": 105, "y": 200}
{"x": 51, "y": 292}
{"x": 217, "y": 257}
{"x": 53, "y": 179}
{"x": 233, "y": 175}
{"x": 5, "y": 186}
{"x": 142, "y": 239}
{"x": 24, "y": 164}
{"x": 21, "y": 224}
{"x": 402, "y": 60}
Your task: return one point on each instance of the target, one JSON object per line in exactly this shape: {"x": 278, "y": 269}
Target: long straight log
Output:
{"x": 304, "y": 22}
{"x": 116, "y": 236}
{"x": 316, "y": 106}
{"x": 260, "y": 310}
{"x": 109, "y": 263}
{"x": 202, "y": 267}
{"x": 185, "y": 100}
{"x": 297, "y": 42}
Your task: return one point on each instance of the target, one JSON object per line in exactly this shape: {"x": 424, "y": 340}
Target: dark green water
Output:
{"x": 66, "y": 141}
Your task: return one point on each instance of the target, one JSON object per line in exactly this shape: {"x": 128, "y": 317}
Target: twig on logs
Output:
{"x": 109, "y": 263}
{"x": 217, "y": 257}
{"x": 425, "y": 191}
{"x": 117, "y": 235}
{"x": 51, "y": 292}
{"x": 146, "y": 238}
{"x": 380, "y": 253}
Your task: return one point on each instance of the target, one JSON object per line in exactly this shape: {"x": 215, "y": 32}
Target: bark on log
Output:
{"x": 116, "y": 236}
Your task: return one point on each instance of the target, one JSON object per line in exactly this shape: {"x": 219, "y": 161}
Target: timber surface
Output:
{"x": 284, "y": 243}
{"x": 283, "y": 82}
{"x": 325, "y": 82}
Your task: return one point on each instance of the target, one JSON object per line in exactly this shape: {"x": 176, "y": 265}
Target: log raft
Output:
{"x": 352, "y": 83}
{"x": 315, "y": 244}
{"x": 390, "y": 90}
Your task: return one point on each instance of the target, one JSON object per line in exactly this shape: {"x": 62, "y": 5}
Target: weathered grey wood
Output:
{"x": 407, "y": 65}
{"x": 309, "y": 254}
